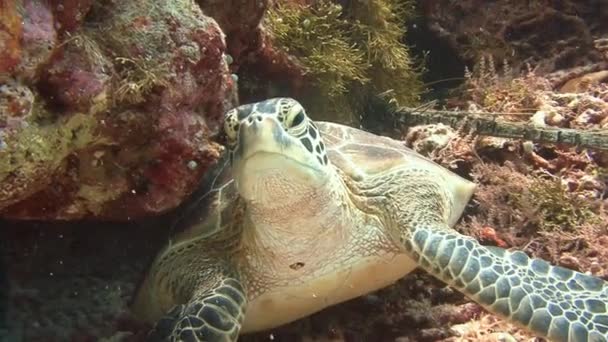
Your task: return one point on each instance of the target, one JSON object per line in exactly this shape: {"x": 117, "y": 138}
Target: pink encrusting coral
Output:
{"x": 110, "y": 111}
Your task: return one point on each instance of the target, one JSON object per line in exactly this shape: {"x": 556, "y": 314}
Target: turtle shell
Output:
{"x": 357, "y": 153}
{"x": 361, "y": 154}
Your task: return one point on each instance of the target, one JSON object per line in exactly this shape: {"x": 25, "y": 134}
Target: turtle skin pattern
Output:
{"x": 215, "y": 316}
{"x": 551, "y": 301}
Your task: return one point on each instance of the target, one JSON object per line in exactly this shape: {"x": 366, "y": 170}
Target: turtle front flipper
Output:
{"x": 551, "y": 301}
{"x": 215, "y": 315}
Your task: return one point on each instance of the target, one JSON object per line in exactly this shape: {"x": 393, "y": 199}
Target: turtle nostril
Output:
{"x": 259, "y": 118}
{"x": 250, "y": 119}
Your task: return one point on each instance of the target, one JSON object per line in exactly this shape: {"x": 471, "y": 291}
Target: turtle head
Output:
{"x": 276, "y": 150}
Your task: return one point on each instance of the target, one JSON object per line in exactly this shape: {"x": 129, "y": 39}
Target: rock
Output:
{"x": 240, "y": 20}
{"x": 10, "y": 36}
{"x": 118, "y": 112}
{"x": 501, "y": 337}
{"x": 582, "y": 83}
{"x": 38, "y": 39}
{"x": 79, "y": 77}
{"x": 16, "y": 103}
{"x": 590, "y": 116}
{"x": 428, "y": 138}
{"x": 70, "y": 14}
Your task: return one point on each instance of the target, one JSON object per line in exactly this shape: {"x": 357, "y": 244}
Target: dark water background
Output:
{"x": 4, "y": 291}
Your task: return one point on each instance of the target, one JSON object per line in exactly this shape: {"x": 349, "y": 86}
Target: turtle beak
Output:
{"x": 267, "y": 161}
{"x": 261, "y": 133}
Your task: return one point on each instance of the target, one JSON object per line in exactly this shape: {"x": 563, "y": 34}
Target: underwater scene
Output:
{"x": 303, "y": 170}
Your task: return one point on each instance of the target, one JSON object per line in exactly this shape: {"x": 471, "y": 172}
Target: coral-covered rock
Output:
{"x": 25, "y": 152}
{"x": 126, "y": 102}
{"x": 70, "y": 14}
{"x": 262, "y": 64}
{"x": 10, "y": 36}
{"x": 38, "y": 39}
{"x": 124, "y": 114}
{"x": 428, "y": 138}
{"x": 27, "y": 37}
{"x": 240, "y": 20}
{"x": 79, "y": 76}
{"x": 16, "y": 103}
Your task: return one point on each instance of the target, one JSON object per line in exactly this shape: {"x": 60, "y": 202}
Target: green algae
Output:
{"x": 34, "y": 152}
{"x": 313, "y": 34}
{"x": 349, "y": 53}
{"x": 554, "y": 207}
{"x": 137, "y": 78}
{"x": 142, "y": 39}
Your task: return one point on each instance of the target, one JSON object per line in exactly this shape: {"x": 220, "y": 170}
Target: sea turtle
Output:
{"x": 301, "y": 215}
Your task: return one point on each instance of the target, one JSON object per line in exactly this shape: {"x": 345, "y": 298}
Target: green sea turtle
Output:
{"x": 302, "y": 215}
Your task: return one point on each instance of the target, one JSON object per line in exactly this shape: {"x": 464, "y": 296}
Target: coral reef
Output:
{"x": 545, "y": 100}
{"x": 548, "y": 200}
{"x": 108, "y": 111}
{"x": 111, "y": 110}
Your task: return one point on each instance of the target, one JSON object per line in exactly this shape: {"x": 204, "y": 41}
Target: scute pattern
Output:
{"x": 550, "y": 300}
{"x": 360, "y": 153}
{"x": 215, "y": 316}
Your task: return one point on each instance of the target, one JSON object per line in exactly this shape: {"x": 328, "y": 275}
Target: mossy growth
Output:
{"x": 37, "y": 145}
{"x": 379, "y": 28}
{"x": 35, "y": 152}
{"x": 137, "y": 77}
{"x": 554, "y": 208}
{"x": 349, "y": 53}
{"x": 500, "y": 91}
{"x": 141, "y": 40}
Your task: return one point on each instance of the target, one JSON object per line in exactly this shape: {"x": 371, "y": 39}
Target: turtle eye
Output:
{"x": 298, "y": 119}
{"x": 296, "y": 116}
{"x": 231, "y": 125}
